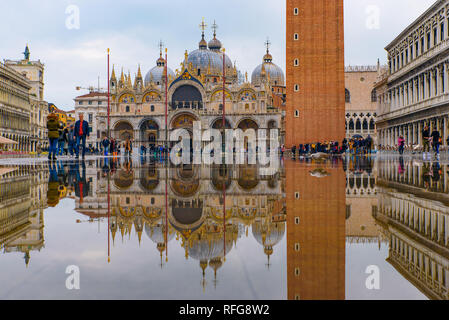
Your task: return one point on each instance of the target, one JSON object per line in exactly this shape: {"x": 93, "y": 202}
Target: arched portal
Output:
{"x": 187, "y": 97}
{"x": 123, "y": 130}
{"x": 149, "y": 132}
{"x": 218, "y": 124}
{"x": 248, "y": 124}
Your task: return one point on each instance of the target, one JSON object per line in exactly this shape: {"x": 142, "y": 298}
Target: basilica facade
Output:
{"x": 194, "y": 93}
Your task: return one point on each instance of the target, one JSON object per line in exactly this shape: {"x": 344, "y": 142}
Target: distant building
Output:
{"x": 33, "y": 72}
{"x": 93, "y": 106}
{"x": 361, "y": 102}
{"x": 14, "y": 109}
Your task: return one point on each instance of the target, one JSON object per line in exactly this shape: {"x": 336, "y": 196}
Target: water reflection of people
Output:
{"x": 436, "y": 174}
{"x": 401, "y": 168}
{"x": 81, "y": 185}
{"x": 53, "y": 186}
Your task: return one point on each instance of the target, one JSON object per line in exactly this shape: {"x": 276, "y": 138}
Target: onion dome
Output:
{"x": 214, "y": 44}
{"x": 268, "y": 69}
{"x": 268, "y": 234}
{"x": 157, "y": 233}
{"x": 157, "y": 74}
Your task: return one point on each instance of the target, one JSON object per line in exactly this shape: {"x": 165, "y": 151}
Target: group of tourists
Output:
{"x": 75, "y": 137}
{"x": 355, "y": 146}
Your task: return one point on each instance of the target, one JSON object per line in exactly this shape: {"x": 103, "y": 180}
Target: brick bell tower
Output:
{"x": 315, "y": 110}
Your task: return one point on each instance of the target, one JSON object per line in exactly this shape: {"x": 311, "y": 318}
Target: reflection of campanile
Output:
{"x": 315, "y": 233}
{"x": 315, "y": 108}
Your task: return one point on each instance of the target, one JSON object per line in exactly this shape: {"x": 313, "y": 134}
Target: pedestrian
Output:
{"x": 105, "y": 144}
{"x": 81, "y": 132}
{"x": 436, "y": 141}
{"x": 401, "y": 144}
{"x": 426, "y": 141}
{"x": 53, "y": 135}
{"x": 128, "y": 147}
{"x": 294, "y": 152}
{"x": 60, "y": 140}
{"x": 71, "y": 140}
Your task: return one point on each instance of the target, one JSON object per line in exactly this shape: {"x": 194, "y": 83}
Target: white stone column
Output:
{"x": 445, "y": 132}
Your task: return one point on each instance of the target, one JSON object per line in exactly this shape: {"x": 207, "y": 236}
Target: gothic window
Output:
{"x": 351, "y": 125}
{"x": 372, "y": 125}
{"x": 365, "y": 124}
{"x": 374, "y": 95}
{"x": 358, "y": 125}
{"x": 127, "y": 108}
{"x": 347, "y": 96}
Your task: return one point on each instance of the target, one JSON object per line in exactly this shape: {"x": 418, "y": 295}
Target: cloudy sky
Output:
{"x": 132, "y": 29}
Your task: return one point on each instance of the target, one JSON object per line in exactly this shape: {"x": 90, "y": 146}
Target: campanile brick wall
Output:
{"x": 320, "y": 74}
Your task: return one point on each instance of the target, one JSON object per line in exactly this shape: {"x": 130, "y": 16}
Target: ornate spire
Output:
{"x": 113, "y": 78}
{"x": 139, "y": 73}
{"x": 129, "y": 83}
{"x": 122, "y": 78}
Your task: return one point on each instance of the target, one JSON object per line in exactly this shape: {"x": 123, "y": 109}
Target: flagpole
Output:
{"x": 223, "y": 138}
{"x": 109, "y": 100}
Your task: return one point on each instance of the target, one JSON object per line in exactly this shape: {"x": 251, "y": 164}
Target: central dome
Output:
{"x": 203, "y": 59}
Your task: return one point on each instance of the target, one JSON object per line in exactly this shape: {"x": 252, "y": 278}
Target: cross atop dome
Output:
{"x": 215, "y": 27}
{"x": 268, "y": 44}
{"x": 161, "y": 46}
{"x": 203, "y": 26}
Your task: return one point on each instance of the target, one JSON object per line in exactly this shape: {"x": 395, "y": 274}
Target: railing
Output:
{"x": 422, "y": 105}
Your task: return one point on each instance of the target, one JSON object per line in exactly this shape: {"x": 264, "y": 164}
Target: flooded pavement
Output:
{"x": 354, "y": 228}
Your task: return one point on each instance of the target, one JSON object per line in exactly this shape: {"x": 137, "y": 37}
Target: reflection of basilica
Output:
{"x": 192, "y": 214}
{"x": 22, "y": 201}
{"x": 413, "y": 209}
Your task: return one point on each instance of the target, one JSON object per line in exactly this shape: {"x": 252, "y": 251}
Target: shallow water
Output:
{"x": 310, "y": 231}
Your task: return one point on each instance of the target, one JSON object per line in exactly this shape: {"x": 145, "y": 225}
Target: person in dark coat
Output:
{"x": 81, "y": 133}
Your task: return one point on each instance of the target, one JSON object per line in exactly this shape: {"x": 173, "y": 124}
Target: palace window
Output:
{"x": 428, "y": 40}
{"x": 295, "y": 11}
{"x": 90, "y": 102}
{"x": 347, "y": 96}
{"x": 374, "y": 95}
{"x": 442, "y": 31}
{"x": 80, "y": 103}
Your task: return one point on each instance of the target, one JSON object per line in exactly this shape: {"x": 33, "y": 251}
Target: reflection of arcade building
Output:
{"x": 416, "y": 223}
{"x": 22, "y": 200}
{"x": 195, "y": 93}
{"x": 195, "y": 209}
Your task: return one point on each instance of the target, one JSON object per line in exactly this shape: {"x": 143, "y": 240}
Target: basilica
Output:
{"x": 194, "y": 93}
